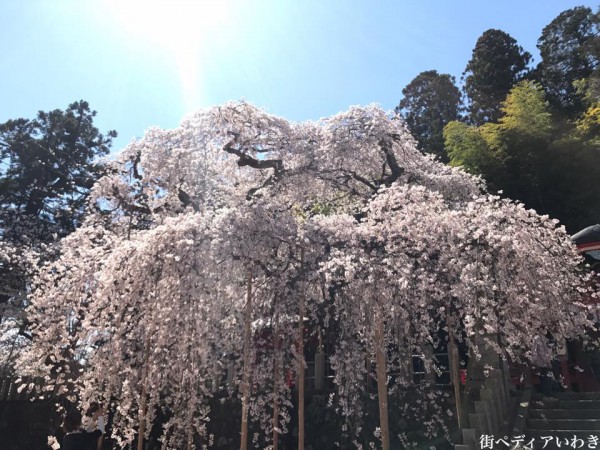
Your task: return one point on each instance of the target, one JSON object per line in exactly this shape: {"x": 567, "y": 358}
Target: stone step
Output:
{"x": 564, "y": 424}
{"x": 578, "y": 396}
{"x": 564, "y": 413}
{"x": 570, "y": 396}
{"x": 565, "y": 404}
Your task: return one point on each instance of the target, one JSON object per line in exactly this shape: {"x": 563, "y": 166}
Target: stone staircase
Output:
{"x": 572, "y": 415}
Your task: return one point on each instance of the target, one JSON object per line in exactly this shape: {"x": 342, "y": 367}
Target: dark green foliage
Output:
{"x": 571, "y": 180}
{"x": 48, "y": 165}
{"x": 497, "y": 63}
{"x": 430, "y": 101}
{"x": 533, "y": 157}
{"x": 570, "y": 50}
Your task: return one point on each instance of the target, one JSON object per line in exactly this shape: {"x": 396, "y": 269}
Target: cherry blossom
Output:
{"x": 206, "y": 247}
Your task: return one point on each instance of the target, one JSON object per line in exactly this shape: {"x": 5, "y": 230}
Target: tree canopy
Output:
{"x": 429, "y": 102}
{"x": 258, "y": 222}
{"x": 570, "y": 51}
{"x": 49, "y": 165}
{"x": 496, "y": 64}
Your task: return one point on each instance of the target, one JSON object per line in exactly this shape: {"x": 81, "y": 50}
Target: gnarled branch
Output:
{"x": 247, "y": 160}
{"x": 397, "y": 171}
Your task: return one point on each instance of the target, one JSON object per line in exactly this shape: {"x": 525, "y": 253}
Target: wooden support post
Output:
{"x": 406, "y": 361}
{"x": 144, "y": 397}
{"x": 246, "y": 368}
{"x": 276, "y": 376}
{"x": 301, "y": 313}
{"x": 320, "y": 364}
{"x": 301, "y": 377}
{"x": 455, "y": 376}
{"x": 100, "y": 443}
{"x": 319, "y": 371}
{"x": 190, "y": 437}
{"x": 380, "y": 361}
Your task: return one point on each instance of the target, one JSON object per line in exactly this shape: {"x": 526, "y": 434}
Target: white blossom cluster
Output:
{"x": 340, "y": 221}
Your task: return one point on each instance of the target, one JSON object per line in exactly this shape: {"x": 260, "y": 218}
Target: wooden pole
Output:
{"x": 190, "y": 438}
{"x": 143, "y": 401}
{"x": 455, "y": 374}
{"x": 276, "y": 385}
{"x": 301, "y": 364}
{"x": 382, "y": 381}
{"x": 246, "y": 369}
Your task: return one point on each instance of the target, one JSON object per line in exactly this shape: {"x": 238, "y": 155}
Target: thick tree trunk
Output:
{"x": 301, "y": 366}
{"x": 246, "y": 368}
{"x": 382, "y": 382}
{"x": 144, "y": 398}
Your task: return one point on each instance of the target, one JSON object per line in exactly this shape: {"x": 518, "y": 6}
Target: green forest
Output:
{"x": 532, "y": 131}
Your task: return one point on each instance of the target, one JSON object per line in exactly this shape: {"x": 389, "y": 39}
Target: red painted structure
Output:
{"x": 581, "y": 368}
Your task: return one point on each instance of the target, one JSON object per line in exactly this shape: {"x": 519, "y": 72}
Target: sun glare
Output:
{"x": 185, "y": 30}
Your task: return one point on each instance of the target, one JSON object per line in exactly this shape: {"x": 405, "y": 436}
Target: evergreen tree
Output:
{"x": 497, "y": 63}
{"x": 48, "y": 165}
{"x": 570, "y": 50}
{"x": 429, "y": 102}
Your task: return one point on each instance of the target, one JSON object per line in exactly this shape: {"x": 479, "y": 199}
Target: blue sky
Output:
{"x": 145, "y": 63}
